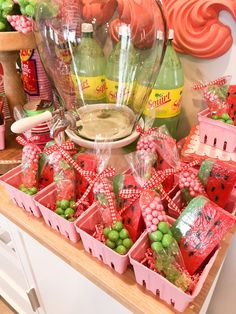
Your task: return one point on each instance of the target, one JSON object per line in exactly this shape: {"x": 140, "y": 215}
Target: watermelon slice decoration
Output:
{"x": 231, "y": 101}
{"x": 199, "y": 230}
{"x": 219, "y": 180}
{"x": 168, "y": 183}
{"x": 86, "y": 162}
{"x": 45, "y": 171}
{"x": 132, "y": 217}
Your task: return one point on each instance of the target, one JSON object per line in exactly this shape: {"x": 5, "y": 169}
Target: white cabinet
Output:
{"x": 63, "y": 290}
{"x": 57, "y": 287}
{"x": 14, "y": 285}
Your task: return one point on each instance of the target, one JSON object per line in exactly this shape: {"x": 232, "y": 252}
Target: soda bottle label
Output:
{"x": 119, "y": 94}
{"x": 93, "y": 88}
{"x": 166, "y": 102}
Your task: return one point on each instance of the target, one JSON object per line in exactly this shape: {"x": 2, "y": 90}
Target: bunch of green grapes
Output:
{"x": 7, "y": 7}
{"x": 27, "y": 7}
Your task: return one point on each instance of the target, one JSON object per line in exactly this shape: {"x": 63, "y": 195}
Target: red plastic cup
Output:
{"x": 2, "y": 136}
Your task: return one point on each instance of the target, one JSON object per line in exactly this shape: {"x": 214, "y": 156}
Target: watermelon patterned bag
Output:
{"x": 87, "y": 162}
{"x": 199, "y": 230}
{"x": 219, "y": 180}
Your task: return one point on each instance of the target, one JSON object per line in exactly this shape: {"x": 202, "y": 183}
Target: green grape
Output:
{"x": 29, "y": 10}
{"x": 163, "y": 227}
{"x": 7, "y": 6}
{"x": 119, "y": 242}
{"x": 106, "y": 231}
{"x": 118, "y": 226}
{"x": 127, "y": 243}
{"x": 124, "y": 234}
{"x": 113, "y": 235}
{"x": 167, "y": 240}
{"x": 110, "y": 244}
{"x": 121, "y": 249}
{"x": 65, "y": 204}
{"x": 225, "y": 116}
{"x": 34, "y": 190}
{"x": 69, "y": 212}
{"x": 23, "y": 2}
{"x": 59, "y": 211}
{"x": 156, "y": 236}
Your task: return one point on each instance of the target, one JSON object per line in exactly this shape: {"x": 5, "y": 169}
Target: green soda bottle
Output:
{"x": 121, "y": 70}
{"x": 88, "y": 68}
{"x": 146, "y": 68}
{"x": 165, "y": 97}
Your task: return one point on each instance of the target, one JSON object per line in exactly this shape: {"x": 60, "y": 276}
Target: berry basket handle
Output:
{"x": 28, "y": 123}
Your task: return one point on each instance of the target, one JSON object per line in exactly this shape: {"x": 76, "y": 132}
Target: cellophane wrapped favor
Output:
{"x": 29, "y": 166}
{"x": 215, "y": 94}
{"x": 165, "y": 258}
{"x": 199, "y": 230}
{"x": 159, "y": 142}
{"x": 140, "y": 170}
{"x": 64, "y": 178}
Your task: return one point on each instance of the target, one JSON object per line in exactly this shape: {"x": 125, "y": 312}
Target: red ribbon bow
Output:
{"x": 140, "y": 130}
{"x": 157, "y": 133}
{"x": 157, "y": 178}
{"x": 220, "y": 81}
{"x": 67, "y": 146}
{"x": 22, "y": 141}
{"x": 92, "y": 178}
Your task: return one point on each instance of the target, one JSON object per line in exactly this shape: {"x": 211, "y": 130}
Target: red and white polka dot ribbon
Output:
{"x": 92, "y": 178}
{"x": 22, "y": 141}
{"x": 67, "y": 146}
{"x": 155, "y": 132}
{"x": 220, "y": 81}
{"x": 140, "y": 130}
{"x": 154, "y": 182}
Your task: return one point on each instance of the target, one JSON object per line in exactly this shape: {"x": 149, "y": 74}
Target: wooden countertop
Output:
{"x": 10, "y": 157}
{"x": 123, "y": 288}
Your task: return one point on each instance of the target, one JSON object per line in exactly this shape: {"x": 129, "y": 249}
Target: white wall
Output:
{"x": 195, "y": 69}
{"x": 203, "y": 70}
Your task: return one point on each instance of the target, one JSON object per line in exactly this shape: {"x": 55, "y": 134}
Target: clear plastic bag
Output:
{"x": 199, "y": 230}
{"x": 168, "y": 260}
{"x": 215, "y": 94}
{"x": 64, "y": 178}
{"x": 29, "y": 167}
{"x": 103, "y": 187}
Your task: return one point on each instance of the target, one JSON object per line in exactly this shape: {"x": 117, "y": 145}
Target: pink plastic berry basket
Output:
{"x": 85, "y": 226}
{"x": 159, "y": 285}
{"x": 11, "y": 181}
{"x": 47, "y": 198}
{"x": 216, "y": 133}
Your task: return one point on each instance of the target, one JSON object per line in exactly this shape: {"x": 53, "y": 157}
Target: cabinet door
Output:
{"x": 63, "y": 290}
{"x": 14, "y": 287}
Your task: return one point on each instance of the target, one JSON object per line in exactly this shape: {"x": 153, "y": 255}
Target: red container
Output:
{"x": 11, "y": 181}
{"x": 159, "y": 285}
{"x": 216, "y": 133}
{"x": 178, "y": 200}
{"x": 85, "y": 226}
{"x": 47, "y": 198}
